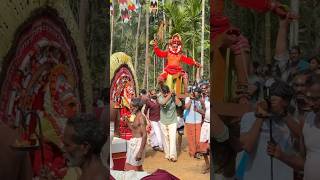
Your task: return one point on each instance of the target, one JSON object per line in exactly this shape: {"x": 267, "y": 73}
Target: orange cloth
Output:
{"x": 193, "y": 136}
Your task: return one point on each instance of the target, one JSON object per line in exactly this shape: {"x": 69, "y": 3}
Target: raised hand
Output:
{"x": 198, "y": 65}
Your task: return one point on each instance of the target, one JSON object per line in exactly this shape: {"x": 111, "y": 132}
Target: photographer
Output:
{"x": 193, "y": 121}
{"x": 309, "y": 157}
{"x": 168, "y": 120}
{"x": 256, "y": 133}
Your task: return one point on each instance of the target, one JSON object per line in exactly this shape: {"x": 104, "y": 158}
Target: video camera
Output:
{"x": 270, "y": 115}
{"x": 193, "y": 90}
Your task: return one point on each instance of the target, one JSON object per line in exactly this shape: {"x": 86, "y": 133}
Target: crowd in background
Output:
{"x": 169, "y": 116}
{"x": 279, "y": 139}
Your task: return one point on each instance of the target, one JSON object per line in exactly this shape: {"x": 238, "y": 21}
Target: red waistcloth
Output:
{"x": 171, "y": 69}
{"x": 160, "y": 174}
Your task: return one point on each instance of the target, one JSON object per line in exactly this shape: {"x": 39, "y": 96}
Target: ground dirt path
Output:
{"x": 186, "y": 168}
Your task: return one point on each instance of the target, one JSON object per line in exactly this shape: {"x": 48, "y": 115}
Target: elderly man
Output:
{"x": 83, "y": 140}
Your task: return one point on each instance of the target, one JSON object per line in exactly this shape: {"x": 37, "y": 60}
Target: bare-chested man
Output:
{"x": 136, "y": 145}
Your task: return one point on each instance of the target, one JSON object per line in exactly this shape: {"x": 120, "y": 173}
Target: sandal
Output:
{"x": 173, "y": 160}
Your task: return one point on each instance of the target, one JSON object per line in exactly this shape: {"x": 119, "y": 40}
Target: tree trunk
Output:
{"x": 137, "y": 42}
{"x": 268, "y": 38}
{"x": 83, "y": 14}
{"x": 146, "y": 71}
{"x": 154, "y": 72}
{"x": 294, "y": 26}
{"x": 111, "y": 38}
{"x": 193, "y": 55}
{"x": 202, "y": 37}
{"x": 165, "y": 30}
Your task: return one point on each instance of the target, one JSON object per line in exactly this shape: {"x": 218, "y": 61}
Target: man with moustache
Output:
{"x": 83, "y": 139}
{"x": 153, "y": 107}
{"x": 299, "y": 101}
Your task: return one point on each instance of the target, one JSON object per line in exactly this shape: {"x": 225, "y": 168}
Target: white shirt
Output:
{"x": 207, "y": 113}
{"x": 259, "y": 164}
{"x": 311, "y": 135}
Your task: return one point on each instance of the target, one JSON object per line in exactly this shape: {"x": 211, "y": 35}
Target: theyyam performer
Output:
{"x": 174, "y": 58}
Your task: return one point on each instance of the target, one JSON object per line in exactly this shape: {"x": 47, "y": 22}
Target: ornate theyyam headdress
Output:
{"x": 175, "y": 39}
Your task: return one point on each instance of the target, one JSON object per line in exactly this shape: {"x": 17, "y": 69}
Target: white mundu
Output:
{"x": 205, "y": 128}
{"x": 134, "y": 145}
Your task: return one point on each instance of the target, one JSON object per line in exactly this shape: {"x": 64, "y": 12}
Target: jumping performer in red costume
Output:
{"x": 174, "y": 57}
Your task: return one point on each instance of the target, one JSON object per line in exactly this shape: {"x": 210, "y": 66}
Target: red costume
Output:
{"x": 174, "y": 57}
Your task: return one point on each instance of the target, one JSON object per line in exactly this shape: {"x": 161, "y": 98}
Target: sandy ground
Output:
{"x": 185, "y": 168}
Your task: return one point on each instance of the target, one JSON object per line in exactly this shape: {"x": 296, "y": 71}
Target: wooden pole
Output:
{"x": 202, "y": 37}
{"x": 268, "y": 38}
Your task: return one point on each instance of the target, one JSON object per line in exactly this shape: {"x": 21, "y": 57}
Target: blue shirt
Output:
{"x": 191, "y": 116}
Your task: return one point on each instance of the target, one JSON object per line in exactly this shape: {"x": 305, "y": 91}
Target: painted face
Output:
{"x": 175, "y": 45}
{"x": 74, "y": 153}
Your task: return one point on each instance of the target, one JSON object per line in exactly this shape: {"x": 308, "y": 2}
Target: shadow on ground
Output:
{"x": 185, "y": 168}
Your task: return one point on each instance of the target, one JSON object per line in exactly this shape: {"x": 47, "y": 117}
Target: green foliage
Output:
{"x": 252, "y": 25}
{"x": 96, "y": 42}
{"x": 185, "y": 16}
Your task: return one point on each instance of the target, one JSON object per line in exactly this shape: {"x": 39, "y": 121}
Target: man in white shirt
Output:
{"x": 255, "y": 135}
